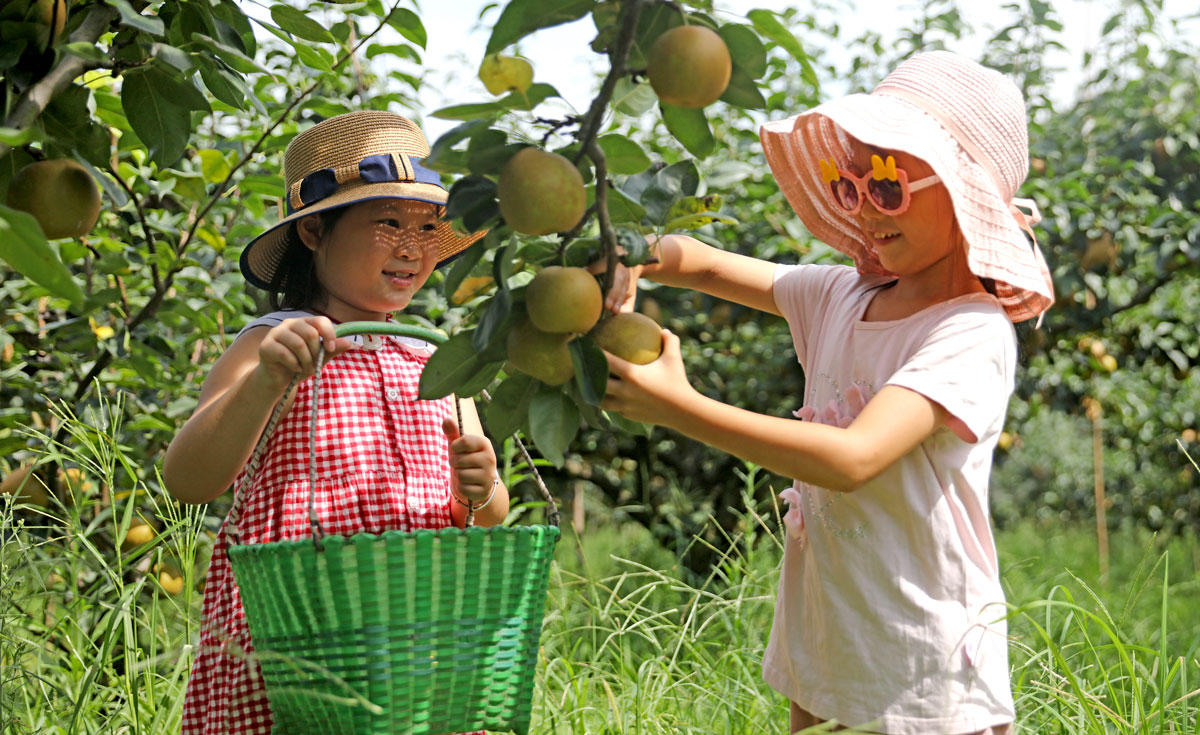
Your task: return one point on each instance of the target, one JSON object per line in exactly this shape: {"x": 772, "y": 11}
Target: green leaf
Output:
{"x": 453, "y": 368}
{"x": 767, "y": 22}
{"x": 213, "y": 165}
{"x": 443, "y": 146}
{"x": 313, "y": 57}
{"x": 15, "y": 137}
{"x": 526, "y": 100}
{"x": 623, "y": 209}
{"x": 637, "y": 428}
{"x": 591, "y": 369}
{"x": 133, "y": 19}
{"x": 522, "y": 17}
{"x": 409, "y": 25}
{"x": 666, "y": 186}
{"x": 467, "y": 194}
{"x": 495, "y": 318}
{"x": 463, "y": 266}
{"x": 622, "y": 155}
{"x": 637, "y": 250}
{"x": 553, "y": 422}
{"x": 230, "y": 55}
{"x": 633, "y": 99}
{"x": 227, "y": 86}
{"x": 690, "y": 127}
{"x": 89, "y": 52}
{"x": 297, "y": 23}
{"x": 742, "y": 91}
{"x": 509, "y": 407}
{"x": 745, "y": 49}
{"x": 173, "y": 57}
{"x": 696, "y": 221}
{"x": 163, "y": 126}
{"x": 24, "y": 247}
{"x": 694, "y": 205}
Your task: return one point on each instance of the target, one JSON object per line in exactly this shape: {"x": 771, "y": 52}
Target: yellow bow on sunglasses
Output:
{"x": 881, "y": 170}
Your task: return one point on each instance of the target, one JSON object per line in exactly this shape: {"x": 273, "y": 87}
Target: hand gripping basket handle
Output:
{"x": 349, "y": 329}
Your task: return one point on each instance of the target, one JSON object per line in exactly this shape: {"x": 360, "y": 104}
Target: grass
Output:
{"x": 90, "y": 642}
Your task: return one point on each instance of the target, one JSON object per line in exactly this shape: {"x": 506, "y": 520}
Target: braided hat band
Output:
{"x": 351, "y": 158}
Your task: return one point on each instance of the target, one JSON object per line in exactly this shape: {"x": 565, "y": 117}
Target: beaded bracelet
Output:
{"x": 484, "y": 504}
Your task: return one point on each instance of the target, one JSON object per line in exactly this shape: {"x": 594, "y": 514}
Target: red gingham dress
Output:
{"x": 382, "y": 463}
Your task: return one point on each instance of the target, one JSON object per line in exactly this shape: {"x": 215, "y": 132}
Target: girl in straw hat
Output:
{"x": 360, "y": 236}
{"x": 890, "y": 613}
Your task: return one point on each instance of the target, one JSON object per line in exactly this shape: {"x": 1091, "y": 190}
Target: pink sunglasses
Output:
{"x": 886, "y": 186}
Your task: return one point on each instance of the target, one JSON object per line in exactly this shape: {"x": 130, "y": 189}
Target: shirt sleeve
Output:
{"x": 967, "y": 365}
{"x": 802, "y": 291}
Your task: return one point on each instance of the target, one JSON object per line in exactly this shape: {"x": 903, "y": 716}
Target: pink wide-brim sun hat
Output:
{"x": 968, "y": 123}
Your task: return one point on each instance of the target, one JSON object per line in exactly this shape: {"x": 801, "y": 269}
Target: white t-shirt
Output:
{"x": 889, "y": 614}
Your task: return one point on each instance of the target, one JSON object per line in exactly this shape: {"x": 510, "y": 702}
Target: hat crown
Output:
{"x": 345, "y": 140}
{"x": 981, "y": 108}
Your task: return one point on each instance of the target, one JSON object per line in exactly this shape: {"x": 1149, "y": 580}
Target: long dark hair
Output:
{"x": 295, "y": 285}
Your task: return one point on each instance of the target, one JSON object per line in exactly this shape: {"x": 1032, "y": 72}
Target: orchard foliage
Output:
{"x": 180, "y": 111}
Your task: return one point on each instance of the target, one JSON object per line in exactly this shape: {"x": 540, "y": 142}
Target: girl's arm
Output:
{"x": 892, "y": 423}
{"x": 473, "y": 470}
{"x": 688, "y": 263}
{"x": 236, "y": 401}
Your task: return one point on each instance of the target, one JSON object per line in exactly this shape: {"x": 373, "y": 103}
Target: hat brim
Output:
{"x": 997, "y": 248}
{"x": 262, "y": 256}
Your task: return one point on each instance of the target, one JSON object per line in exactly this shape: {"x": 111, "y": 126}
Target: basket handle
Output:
{"x": 349, "y": 329}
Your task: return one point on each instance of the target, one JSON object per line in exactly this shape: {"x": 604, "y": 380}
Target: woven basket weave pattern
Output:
{"x": 438, "y": 628}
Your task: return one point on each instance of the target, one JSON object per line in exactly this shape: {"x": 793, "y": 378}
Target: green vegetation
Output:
{"x": 634, "y": 642}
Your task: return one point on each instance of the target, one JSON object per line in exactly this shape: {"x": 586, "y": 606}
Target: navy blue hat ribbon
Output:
{"x": 375, "y": 169}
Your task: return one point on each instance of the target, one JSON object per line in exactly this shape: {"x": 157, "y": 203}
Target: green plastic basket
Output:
{"x": 393, "y": 633}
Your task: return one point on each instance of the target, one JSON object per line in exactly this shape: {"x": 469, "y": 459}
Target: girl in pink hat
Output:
{"x": 361, "y": 234}
{"x": 890, "y": 615}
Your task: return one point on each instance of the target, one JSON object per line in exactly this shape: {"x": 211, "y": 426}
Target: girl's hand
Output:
{"x": 623, "y": 294}
{"x": 651, "y": 393}
{"x": 290, "y": 348}
{"x": 472, "y": 464}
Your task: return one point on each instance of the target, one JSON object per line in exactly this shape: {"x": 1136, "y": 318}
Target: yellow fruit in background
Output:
{"x": 1006, "y": 441}
{"x": 541, "y": 193}
{"x": 630, "y": 336}
{"x": 170, "y": 578}
{"x": 689, "y": 66}
{"x": 1109, "y": 363}
{"x": 563, "y": 300}
{"x": 25, "y": 486}
{"x": 501, "y": 74}
{"x": 540, "y": 354}
{"x": 140, "y": 532}
{"x": 7, "y": 352}
{"x": 74, "y": 478}
{"x": 1097, "y": 348}
{"x": 60, "y": 194}
{"x": 470, "y": 288}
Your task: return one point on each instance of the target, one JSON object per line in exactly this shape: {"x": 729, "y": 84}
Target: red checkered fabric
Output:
{"x": 382, "y": 463}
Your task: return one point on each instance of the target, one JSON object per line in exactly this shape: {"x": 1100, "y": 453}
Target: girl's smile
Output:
{"x": 374, "y": 258}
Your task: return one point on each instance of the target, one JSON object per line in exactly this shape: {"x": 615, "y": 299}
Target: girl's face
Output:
{"x": 375, "y": 257}
{"x": 923, "y": 236}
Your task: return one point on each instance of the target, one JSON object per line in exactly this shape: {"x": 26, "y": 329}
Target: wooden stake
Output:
{"x": 1094, "y": 412}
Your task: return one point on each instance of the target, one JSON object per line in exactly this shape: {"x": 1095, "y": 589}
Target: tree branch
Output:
{"x": 33, "y": 102}
{"x": 631, "y": 10}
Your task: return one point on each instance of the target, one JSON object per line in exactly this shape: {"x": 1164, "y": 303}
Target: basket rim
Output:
{"x": 339, "y": 540}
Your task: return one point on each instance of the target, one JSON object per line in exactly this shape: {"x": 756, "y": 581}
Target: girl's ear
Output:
{"x": 310, "y": 230}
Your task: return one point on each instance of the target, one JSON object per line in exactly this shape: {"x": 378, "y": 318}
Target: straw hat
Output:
{"x": 347, "y": 159}
{"x": 968, "y": 123}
